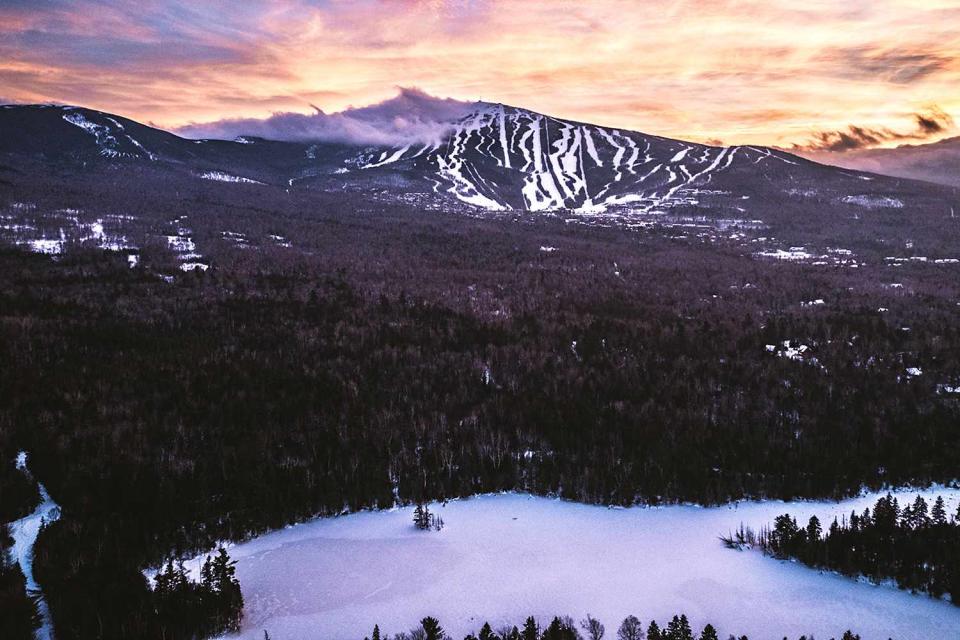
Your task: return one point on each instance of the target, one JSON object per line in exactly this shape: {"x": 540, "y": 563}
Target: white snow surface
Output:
{"x": 24, "y": 532}
{"x": 503, "y": 557}
{"x": 220, "y": 176}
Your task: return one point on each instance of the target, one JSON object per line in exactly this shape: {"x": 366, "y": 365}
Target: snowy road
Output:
{"x": 503, "y": 557}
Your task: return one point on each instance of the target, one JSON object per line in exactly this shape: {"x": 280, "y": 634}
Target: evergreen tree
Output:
{"x": 653, "y": 631}
{"x": 939, "y": 512}
{"x": 432, "y": 629}
{"x": 376, "y": 632}
{"x": 227, "y": 594}
{"x": 709, "y": 633}
{"x": 486, "y": 633}
{"x": 530, "y": 630}
{"x": 561, "y": 629}
{"x": 679, "y": 629}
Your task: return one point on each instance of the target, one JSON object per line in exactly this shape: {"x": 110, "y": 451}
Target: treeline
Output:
{"x": 916, "y": 546}
{"x": 20, "y": 617}
{"x": 565, "y": 628}
{"x": 210, "y": 607}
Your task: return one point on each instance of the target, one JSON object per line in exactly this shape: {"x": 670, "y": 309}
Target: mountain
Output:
{"x": 65, "y": 135}
{"x": 497, "y": 158}
{"x": 502, "y": 158}
{"x": 935, "y": 162}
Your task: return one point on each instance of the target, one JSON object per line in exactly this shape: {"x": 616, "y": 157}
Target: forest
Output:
{"x": 916, "y": 546}
{"x": 565, "y": 628}
{"x": 393, "y": 355}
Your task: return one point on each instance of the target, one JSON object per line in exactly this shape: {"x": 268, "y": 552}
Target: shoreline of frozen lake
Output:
{"x": 503, "y": 557}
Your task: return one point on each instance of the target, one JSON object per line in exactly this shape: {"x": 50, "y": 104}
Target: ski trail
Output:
{"x": 591, "y": 147}
{"x": 503, "y": 138}
{"x": 388, "y": 160}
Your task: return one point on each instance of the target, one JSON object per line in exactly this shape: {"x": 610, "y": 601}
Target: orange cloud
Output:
{"x": 771, "y": 72}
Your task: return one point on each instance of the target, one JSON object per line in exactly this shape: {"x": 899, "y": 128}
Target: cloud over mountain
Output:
{"x": 412, "y": 116}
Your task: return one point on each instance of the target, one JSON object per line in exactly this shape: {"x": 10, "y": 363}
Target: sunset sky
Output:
{"x": 776, "y": 72}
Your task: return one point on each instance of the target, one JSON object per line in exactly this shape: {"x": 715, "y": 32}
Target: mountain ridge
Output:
{"x": 937, "y": 162}
{"x": 497, "y": 158}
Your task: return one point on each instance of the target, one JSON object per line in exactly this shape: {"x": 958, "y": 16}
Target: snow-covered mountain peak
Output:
{"x": 501, "y": 157}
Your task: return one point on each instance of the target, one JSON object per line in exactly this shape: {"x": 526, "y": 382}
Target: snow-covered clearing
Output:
{"x": 503, "y": 557}
{"x": 24, "y": 532}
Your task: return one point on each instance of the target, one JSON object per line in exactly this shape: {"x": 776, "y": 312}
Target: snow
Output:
{"x": 794, "y": 254}
{"x": 46, "y": 246}
{"x": 220, "y": 176}
{"x": 106, "y": 141}
{"x": 24, "y": 532}
{"x": 874, "y": 202}
{"x": 192, "y": 266}
{"x": 547, "y": 249}
{"x": 914, "y": 371}
{"x": 181, "y": 244}
{"x": 384, "y": 159}
{"x": 503, "y": 557}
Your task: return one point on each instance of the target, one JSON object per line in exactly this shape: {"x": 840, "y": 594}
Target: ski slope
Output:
{"x": 501, "y": 158}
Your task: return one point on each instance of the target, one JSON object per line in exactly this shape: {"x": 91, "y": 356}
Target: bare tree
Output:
{"x": 630, "y": 629}
{"x": 592, "y": 627}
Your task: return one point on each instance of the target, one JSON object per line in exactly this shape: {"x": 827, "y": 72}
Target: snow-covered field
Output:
{"x": 503, "y": 557}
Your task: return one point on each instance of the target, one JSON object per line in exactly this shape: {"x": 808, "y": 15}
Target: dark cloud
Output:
{"x": 930, "y": 122}
{"x": 411, "y": 117}
{"x": 934, "y": 121}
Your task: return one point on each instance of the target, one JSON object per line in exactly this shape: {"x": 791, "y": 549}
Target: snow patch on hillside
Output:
{"x": 220, "y": 176}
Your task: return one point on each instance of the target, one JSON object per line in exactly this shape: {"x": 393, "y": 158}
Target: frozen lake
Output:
{"x": 501, "y": 558}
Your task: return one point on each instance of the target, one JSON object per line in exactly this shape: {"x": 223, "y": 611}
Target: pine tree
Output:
{"x": 227, "y": 594}
{"x": 422, "y": 518}
{"x": 432, "y": 629}
{"x": 939, "y": 512}
{"x": 679, "y": 629}
{"x": 709, "y": 633}
{"x": 560, "y": 629}
{"x": 376, "y": 632}
{"x": 530, "y": 630}
{"x": 653, "y": 631}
